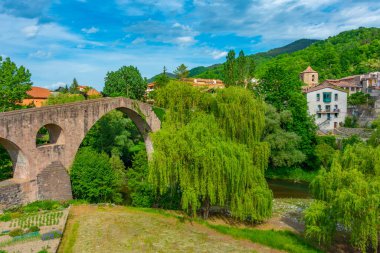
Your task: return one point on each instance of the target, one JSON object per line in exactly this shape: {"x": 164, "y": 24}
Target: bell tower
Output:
{"x": 309, "y": 77}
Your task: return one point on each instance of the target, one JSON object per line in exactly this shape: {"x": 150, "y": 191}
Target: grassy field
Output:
{"x": 102, "y": 228}
{"x": 124, "y": 229}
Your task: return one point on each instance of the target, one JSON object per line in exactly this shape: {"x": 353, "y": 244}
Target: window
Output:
{"x": 336, "y": 97}
{"x": 319, "y": 108}
{"x": 336, "y": 115}
{"x": 313, "y": 78}
{"x": 327, "y": 108}
{"x": 328, "y": 116}
{"x": 318, "y": 97}
{"x": 327, "y": 97}
{"x": 352, "y": 89}
{"x": 319, "y": 115}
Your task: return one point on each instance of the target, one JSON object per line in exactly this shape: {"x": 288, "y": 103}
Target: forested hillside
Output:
{"x": 351, "y": 52}
{"x": 348, "y": 53}
{"x": 216, "y": 71}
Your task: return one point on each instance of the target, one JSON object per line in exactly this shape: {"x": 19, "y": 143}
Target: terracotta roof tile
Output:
{"x": 322, "y": 86}
{"x": 309, "y": 70}
{"x": 38, "y": 92}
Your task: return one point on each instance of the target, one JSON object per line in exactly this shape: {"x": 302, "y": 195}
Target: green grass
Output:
{"x": 71, "y": 238}
{"x": 282, "y": 240}
{"x": 295, "y": 174}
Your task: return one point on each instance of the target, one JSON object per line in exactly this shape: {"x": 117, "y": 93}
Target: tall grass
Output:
{"x": 282, "y": 240}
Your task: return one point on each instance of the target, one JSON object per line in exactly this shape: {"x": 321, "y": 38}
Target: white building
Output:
{"x": 328, "y": 104}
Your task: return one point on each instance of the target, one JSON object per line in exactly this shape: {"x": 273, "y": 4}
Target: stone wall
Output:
{"x": 10, "y": 194}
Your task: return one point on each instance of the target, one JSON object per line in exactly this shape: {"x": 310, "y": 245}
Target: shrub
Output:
{"x": 51, "y": 235}
{"x": 3, "y": 251}
{"x": 16, "y": 232}
{"x": 5, "y": 217}
{"x": 33, "y": 229}
{"x": 42, "y": 205}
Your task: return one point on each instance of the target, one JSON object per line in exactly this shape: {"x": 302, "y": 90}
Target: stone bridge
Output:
{"x": 41, "y": 171}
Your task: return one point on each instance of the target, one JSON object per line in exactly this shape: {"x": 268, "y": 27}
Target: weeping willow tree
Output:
{"x": 347, "y": 199}
{"x": 211, "y": 154}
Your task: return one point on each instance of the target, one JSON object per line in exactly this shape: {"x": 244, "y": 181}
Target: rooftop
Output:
{"x": 324, "y": 85}
{"x": 309, "y": 70}
{"x": 38, "y": 92}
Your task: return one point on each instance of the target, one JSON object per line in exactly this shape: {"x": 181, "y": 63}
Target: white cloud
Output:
{"x": 185, "y": 40}
{"x": 40, "y": 54}
{"x": 216, "y": 54}
{"x": 90, "y": 30}
{"x": 30, "y": 31}
{"x": 138, "y": 41}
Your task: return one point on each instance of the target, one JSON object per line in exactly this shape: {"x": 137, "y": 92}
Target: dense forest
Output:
{"x": 348, "y": 53}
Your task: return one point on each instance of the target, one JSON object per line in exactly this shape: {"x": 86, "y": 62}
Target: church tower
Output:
{"x": 309, "y": 77}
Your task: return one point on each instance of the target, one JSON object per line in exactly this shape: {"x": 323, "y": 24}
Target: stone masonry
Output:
{"x": 41, "y": 172}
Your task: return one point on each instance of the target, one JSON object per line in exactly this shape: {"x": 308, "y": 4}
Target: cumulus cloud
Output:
{"x": 216, "y": 54}
{"x": 90, "y": 30}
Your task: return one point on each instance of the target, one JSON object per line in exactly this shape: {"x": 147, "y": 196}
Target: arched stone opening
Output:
{"x": 50, "y": 134}
{"x": 20, "y": 163}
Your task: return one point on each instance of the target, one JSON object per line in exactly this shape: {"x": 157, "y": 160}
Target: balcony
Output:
{"x": 328, "y": 111}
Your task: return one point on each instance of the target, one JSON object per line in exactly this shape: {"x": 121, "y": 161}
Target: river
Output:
{"x": 289, "y": 189}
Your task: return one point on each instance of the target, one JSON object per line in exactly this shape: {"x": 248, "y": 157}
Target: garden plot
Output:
{"x": 32, "y": 232}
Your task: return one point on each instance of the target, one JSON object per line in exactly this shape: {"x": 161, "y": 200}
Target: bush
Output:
{"x": 16, "y": 232}
{"x": 3, "y": 251}
{"x": 51, "y": 235}
{"x": 5, "y": 217}
{"x": 33, "y": 229}
{"x": 42, "y": 205}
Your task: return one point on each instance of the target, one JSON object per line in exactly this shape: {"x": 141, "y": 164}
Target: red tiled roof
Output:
{"x": 309, "y": 70}
{"x": 322, "y": 86}
{"x": 38, "y": 92}
{"x": 344, "y": 83}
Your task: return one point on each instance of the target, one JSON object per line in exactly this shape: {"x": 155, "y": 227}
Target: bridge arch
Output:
{"x": 44, "y": 168}
{"x": 20, "y": 161}
{"x": 54, "y": 132}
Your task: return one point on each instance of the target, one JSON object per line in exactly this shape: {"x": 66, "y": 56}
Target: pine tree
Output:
{"x": 181, "y": 71}
{"x": 229, "y": 69}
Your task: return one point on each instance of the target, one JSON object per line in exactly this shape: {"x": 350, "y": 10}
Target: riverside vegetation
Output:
{"x": 215, "y": 148}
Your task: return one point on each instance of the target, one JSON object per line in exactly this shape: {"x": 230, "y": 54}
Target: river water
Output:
{"x": 289, "y": 189}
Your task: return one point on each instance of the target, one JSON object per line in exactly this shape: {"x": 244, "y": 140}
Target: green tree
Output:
{"x": 114, "y": 133}
{"x": 162, "y": 79}
{"x": 94, "y": 178}
{"x": 284, "y": 144}
{"x": 74, "y": 87}
{"x": 181, "y": 71}
{"x": 325, "y": 154}
{"x": 358, "y": 98}
{"x": 283, "y": 90}
{"x": 347, "y": 196}
{"x": 229, "y": 69}
{"x": 6, "y": 170}
{"x": 141, "y": 192}
{"x": 126, "y": 81}
{"x": 210, "y": 148}
{"x": 14, "y": 83}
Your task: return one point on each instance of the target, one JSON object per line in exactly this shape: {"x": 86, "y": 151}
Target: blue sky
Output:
{"x": 58, "y": 40}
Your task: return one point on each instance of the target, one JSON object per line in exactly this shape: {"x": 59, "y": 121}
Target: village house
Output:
{"x": 208, "y": 83}
{"x": 326, "y": 102}
{"x": 37, "y": 96}
{"x": 89, "y": 91}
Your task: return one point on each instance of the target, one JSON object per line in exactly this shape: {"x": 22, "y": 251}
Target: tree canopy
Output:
{"x": 210, "y": 148}
{"x": 126, "y": 81}
{"x": 14, "y": 83}
{"x": 347, "y": 198}
{"x": 181, "y": 71}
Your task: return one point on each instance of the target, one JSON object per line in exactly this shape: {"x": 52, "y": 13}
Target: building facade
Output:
{"x": 328, "y": 105}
